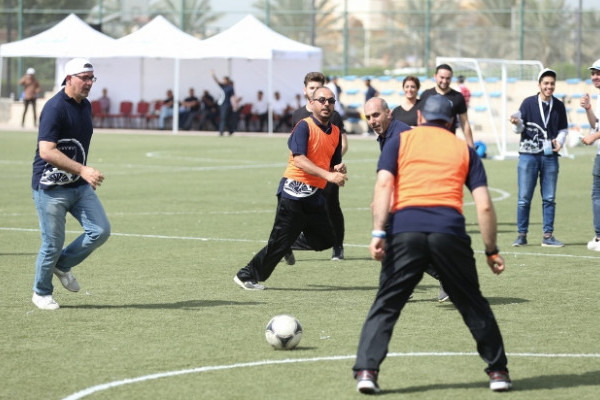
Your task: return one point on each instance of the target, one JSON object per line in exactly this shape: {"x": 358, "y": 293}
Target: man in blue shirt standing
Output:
{"x": 62, "y": 183}
{"x": 542, "y": 123}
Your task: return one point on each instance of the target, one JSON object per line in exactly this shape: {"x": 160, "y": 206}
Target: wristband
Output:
{"x": 493, "y": 252}
{"x": 378, "y": 234}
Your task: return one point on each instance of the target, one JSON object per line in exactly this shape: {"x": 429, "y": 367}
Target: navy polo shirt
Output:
{"x": 68, "y": 124}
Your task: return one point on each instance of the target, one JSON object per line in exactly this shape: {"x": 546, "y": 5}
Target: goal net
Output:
{"x": 497, "y": 89}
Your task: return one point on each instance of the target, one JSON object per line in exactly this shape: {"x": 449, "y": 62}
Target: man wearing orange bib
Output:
{"x": 315, "y": 159}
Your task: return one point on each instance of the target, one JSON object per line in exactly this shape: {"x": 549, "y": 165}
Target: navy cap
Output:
{"x": 437, "y": 108}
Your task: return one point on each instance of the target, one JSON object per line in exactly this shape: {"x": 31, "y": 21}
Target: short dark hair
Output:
{"x": 314, "y": 77}
{"x": 443, "y": 66}
{"x": 413, "y": 79}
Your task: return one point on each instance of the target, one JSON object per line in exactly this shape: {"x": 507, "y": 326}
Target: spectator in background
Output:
{"x": 236, "y": 108}
{"x": 464, "y": 90}
{"x": 166, "y": 109}
{"x": 443, "y": 77}
{"x": 224, "y": 103}
{"x": 31, "y": 90}
{"x": 104, "y": 102}
{"x": 337, "y": 90}
{"x": 209, "y": 111}
{"x": 589, "y": 139}
{"x": 407, "y": 110}
{"x": 260, "y": 110}
{"x": 190, "y": 108}
{"x": 542, "y": 123}
{"x": 369, "y": 94}
{"x": 281, "y": 113}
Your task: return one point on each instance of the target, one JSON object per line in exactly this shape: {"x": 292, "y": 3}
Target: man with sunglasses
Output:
{"x": 62, "y": 183}
{"x": 313, "y": 81}
{"x": 315, "y": 159}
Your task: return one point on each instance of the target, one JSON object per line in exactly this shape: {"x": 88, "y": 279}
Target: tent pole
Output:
{"x": 176, "y": 98}
{"x": 270, "y": 92}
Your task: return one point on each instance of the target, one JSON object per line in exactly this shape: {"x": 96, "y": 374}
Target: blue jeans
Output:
{"x": 596, "y": 194}
{"x": 532, "y": 166}
{"x": 52, "y": 207}
{"x": 165, "y": 112}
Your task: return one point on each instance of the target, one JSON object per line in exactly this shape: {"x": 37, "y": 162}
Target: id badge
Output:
{"x": 548, "y": 147}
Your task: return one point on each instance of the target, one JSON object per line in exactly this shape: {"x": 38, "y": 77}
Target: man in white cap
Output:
{"x": 31, "y": 90}
{"x": 542, "y": 123}
{"x": 593, "y": 118}
{"x": 62, "y": 183}
{"x": 427, "y": 227}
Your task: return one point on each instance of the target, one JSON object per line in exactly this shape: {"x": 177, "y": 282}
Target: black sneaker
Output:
{"x": 499, "y": 381}
{"x": 338, "y": 253}
{"x": 289, "y": 258}
{"x": 366, "y": 382}
{"x": 443, "y": 296}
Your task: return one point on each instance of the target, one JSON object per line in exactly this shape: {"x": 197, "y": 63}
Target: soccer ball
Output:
{"x": 283, "y": 332}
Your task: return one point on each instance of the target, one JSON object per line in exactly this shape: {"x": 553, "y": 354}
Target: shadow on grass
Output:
{"x": 181, "y": 305}
{"x": 18, "y": 254}
{"x": 543, "y": 382}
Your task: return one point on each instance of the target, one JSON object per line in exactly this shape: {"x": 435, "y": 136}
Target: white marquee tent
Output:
{"x": 69, "y": 38}
{"x": 159, "y": 56}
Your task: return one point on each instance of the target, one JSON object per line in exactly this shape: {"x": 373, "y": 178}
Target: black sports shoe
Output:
{"x": 289, "y": 258}
{"x": 499, "y": 381}
{"x": 366, "y": 382}
{"x": 338, "y": 253}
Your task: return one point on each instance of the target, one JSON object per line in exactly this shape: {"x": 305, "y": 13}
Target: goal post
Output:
{"x": 498, "y": 87}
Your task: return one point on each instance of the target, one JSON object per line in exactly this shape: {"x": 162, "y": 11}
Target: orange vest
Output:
{"x": 433, "y": 165}
{"x": 320, "y": 150}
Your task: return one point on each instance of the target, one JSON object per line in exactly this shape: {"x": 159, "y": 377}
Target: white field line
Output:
{"x": 238, "y": 240}
{"x": 502, "y": 195}
{"x": 105, "y": 386}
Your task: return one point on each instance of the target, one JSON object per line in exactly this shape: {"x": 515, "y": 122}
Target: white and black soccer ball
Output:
{"x": 283, "y": 332}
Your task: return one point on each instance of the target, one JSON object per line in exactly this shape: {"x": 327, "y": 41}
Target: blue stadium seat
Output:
{"x": 477, "y": 93}
{"x": 573, "y": 81}
{"x": 387, "y": 92}
{"x": 496, "y": 94}
{"x": 480, "y": 108}
{"x": 473, "y": 79}
{"x": 352, "y": 92}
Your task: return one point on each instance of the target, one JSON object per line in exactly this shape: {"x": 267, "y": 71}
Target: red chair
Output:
{"x": 98, "y": 116}
{"x": 123, "y": 118}
{"x": 141, "y": 114}
{"x": 152, "y": 118}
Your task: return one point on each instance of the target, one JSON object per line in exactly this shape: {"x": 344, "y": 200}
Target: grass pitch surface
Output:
{"x": 158, "y": 316}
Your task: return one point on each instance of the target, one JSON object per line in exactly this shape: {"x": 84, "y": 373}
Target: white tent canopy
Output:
{"x": 69, "y": 38}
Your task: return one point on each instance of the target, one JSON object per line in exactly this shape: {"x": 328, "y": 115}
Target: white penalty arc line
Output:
{"x": 105, "y": 386}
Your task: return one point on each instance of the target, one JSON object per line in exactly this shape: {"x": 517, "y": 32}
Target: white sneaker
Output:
{"x": 248, "y": 285}
{"x": 594, "y": 244}
{"x": 67, "y": 279}
{"x": 44, "y": 302}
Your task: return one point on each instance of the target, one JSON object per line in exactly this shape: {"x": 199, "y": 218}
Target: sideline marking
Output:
{"x": 234, "y": 240}
{"x": 105, "y": 386}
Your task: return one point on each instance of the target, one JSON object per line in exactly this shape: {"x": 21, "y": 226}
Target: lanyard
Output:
{"x": 546, "y": 118}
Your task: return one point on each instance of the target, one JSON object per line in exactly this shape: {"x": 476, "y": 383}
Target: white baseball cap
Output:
{"x": 77, "y": 66}
{"x": 546, "y": 72}
{"x": 595, "y": 65}
{"x": 30, "y": 71}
